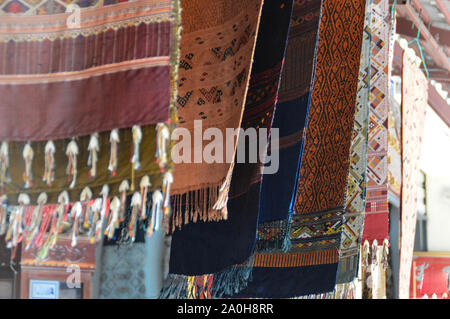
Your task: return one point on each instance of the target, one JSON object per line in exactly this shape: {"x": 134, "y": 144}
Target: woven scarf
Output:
{"x": 376, "y": 222}
{"x": 311, "y": 264}
{"x": 414, "y": 103}
{"x": 277, "y": 190}
{"x": 357, "y": 178}
{"x": 227, "y": 272}
{"x": 217, "y": 46}
{"x": 105, "y": 83}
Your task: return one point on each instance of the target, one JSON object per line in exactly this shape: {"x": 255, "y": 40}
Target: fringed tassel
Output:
{"x": 58, "y": 217}
{"x": 93, "y": 148}
{"x": 221, "y": 203}
{"x": 28, "y": 155}
{"x": 3, "y": 214}
{"x": 135, "y": 206}
{"x": 49, "y": 163}
{"x": 4, "y": 164}
{"x": 228, "y": 282}
{"x": 72, "y": 153}
{"x": 77, "y": 211}
{"x": 85, "y": 197}
{"x": 195, "y": 205}
{"x": 114, "y": 221}
{"x": 47, "y": 215}
{"x": 33, "y": 230}
{"x": 114, "y": 152}
{"x": 365, "y": 254}
{"x": 273, "y": 236}
{"x": 96, "y": 211}
{"x": 145, "y": 184}
{"x": 155, "y": 221}
{"x": 385, "y": 254}
{"x": 63, "y": 201}
{"x": 103, "y": 213}
{"x": 15, "y": 229}
{"x": 167, "y": 182}
{"x": 162, "y": 136}
{"x": 123, "y": 189}
{"x": 137, "y": 138}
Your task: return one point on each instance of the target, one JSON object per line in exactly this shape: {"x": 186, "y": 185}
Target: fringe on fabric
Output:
{"x": 198, "y": 205}
{"x": 341, "y": 291}
{"x": 273, "y": 236}
{"x": 228, "y": 282}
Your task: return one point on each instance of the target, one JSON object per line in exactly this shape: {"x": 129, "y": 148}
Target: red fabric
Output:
{"x": 377, "y": 227}
{"x": 33, "y": 112}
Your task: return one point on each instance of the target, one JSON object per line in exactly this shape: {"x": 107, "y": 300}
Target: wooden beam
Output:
{"x": 441, "y": 5}
{"x": 434, "y": 50}
{"x": 407, "y": 28}
{"x": 435, "y": 100}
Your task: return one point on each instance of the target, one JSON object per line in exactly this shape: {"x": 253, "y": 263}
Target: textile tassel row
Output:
{"x": 77, "y": 210}
{"x": 145, "y": 184}
{"x": 93, "y": 149}
{"x": 34, "y": 227}
{"x": 163, "y": 135}
{"x": 85, "y": 197}
{"x": 4, "y": 164}
{"x": 135, "y": 205}
{"x": 72, "y": 153}
{"x": 198, "y": 205}
{"x": 123, "y": 189}
{"x": 114, "y": 217}
{"x": 49, "y": 162}
{"x": 113, "y": 160}
{"x": 28, "y": 155}
{"x": 155, "y": 222}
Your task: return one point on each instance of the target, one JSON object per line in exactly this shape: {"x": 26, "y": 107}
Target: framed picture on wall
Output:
{"x": 44, "y": 289}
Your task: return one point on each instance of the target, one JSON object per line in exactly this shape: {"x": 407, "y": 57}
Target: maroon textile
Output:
{"x": 34, "y": 112}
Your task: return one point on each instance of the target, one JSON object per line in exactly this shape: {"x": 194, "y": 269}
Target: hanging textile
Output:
{"x": 414, "y": 103}
{"x": 311, "y": 264}
{"x": 277, "y": 189}
{"x": 217, "y": 45}
{"x": 58, "y": 81}
{"x": 89, "y": 83}
{"x": 322, "y": 185}
{"x": 227, "y": 272}
{"x": 357, "y": 178}
{"x": 376, "y": 222}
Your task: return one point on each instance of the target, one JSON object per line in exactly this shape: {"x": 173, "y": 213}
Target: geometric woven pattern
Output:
{"x": 376, "y": 222}
{"x": 123, "y": 272}
{"x": 322, "y": 184}
{"x": 356, "y": 184}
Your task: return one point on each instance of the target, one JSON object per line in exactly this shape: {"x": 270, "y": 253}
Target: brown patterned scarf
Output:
{"x": 217, "y": 45}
